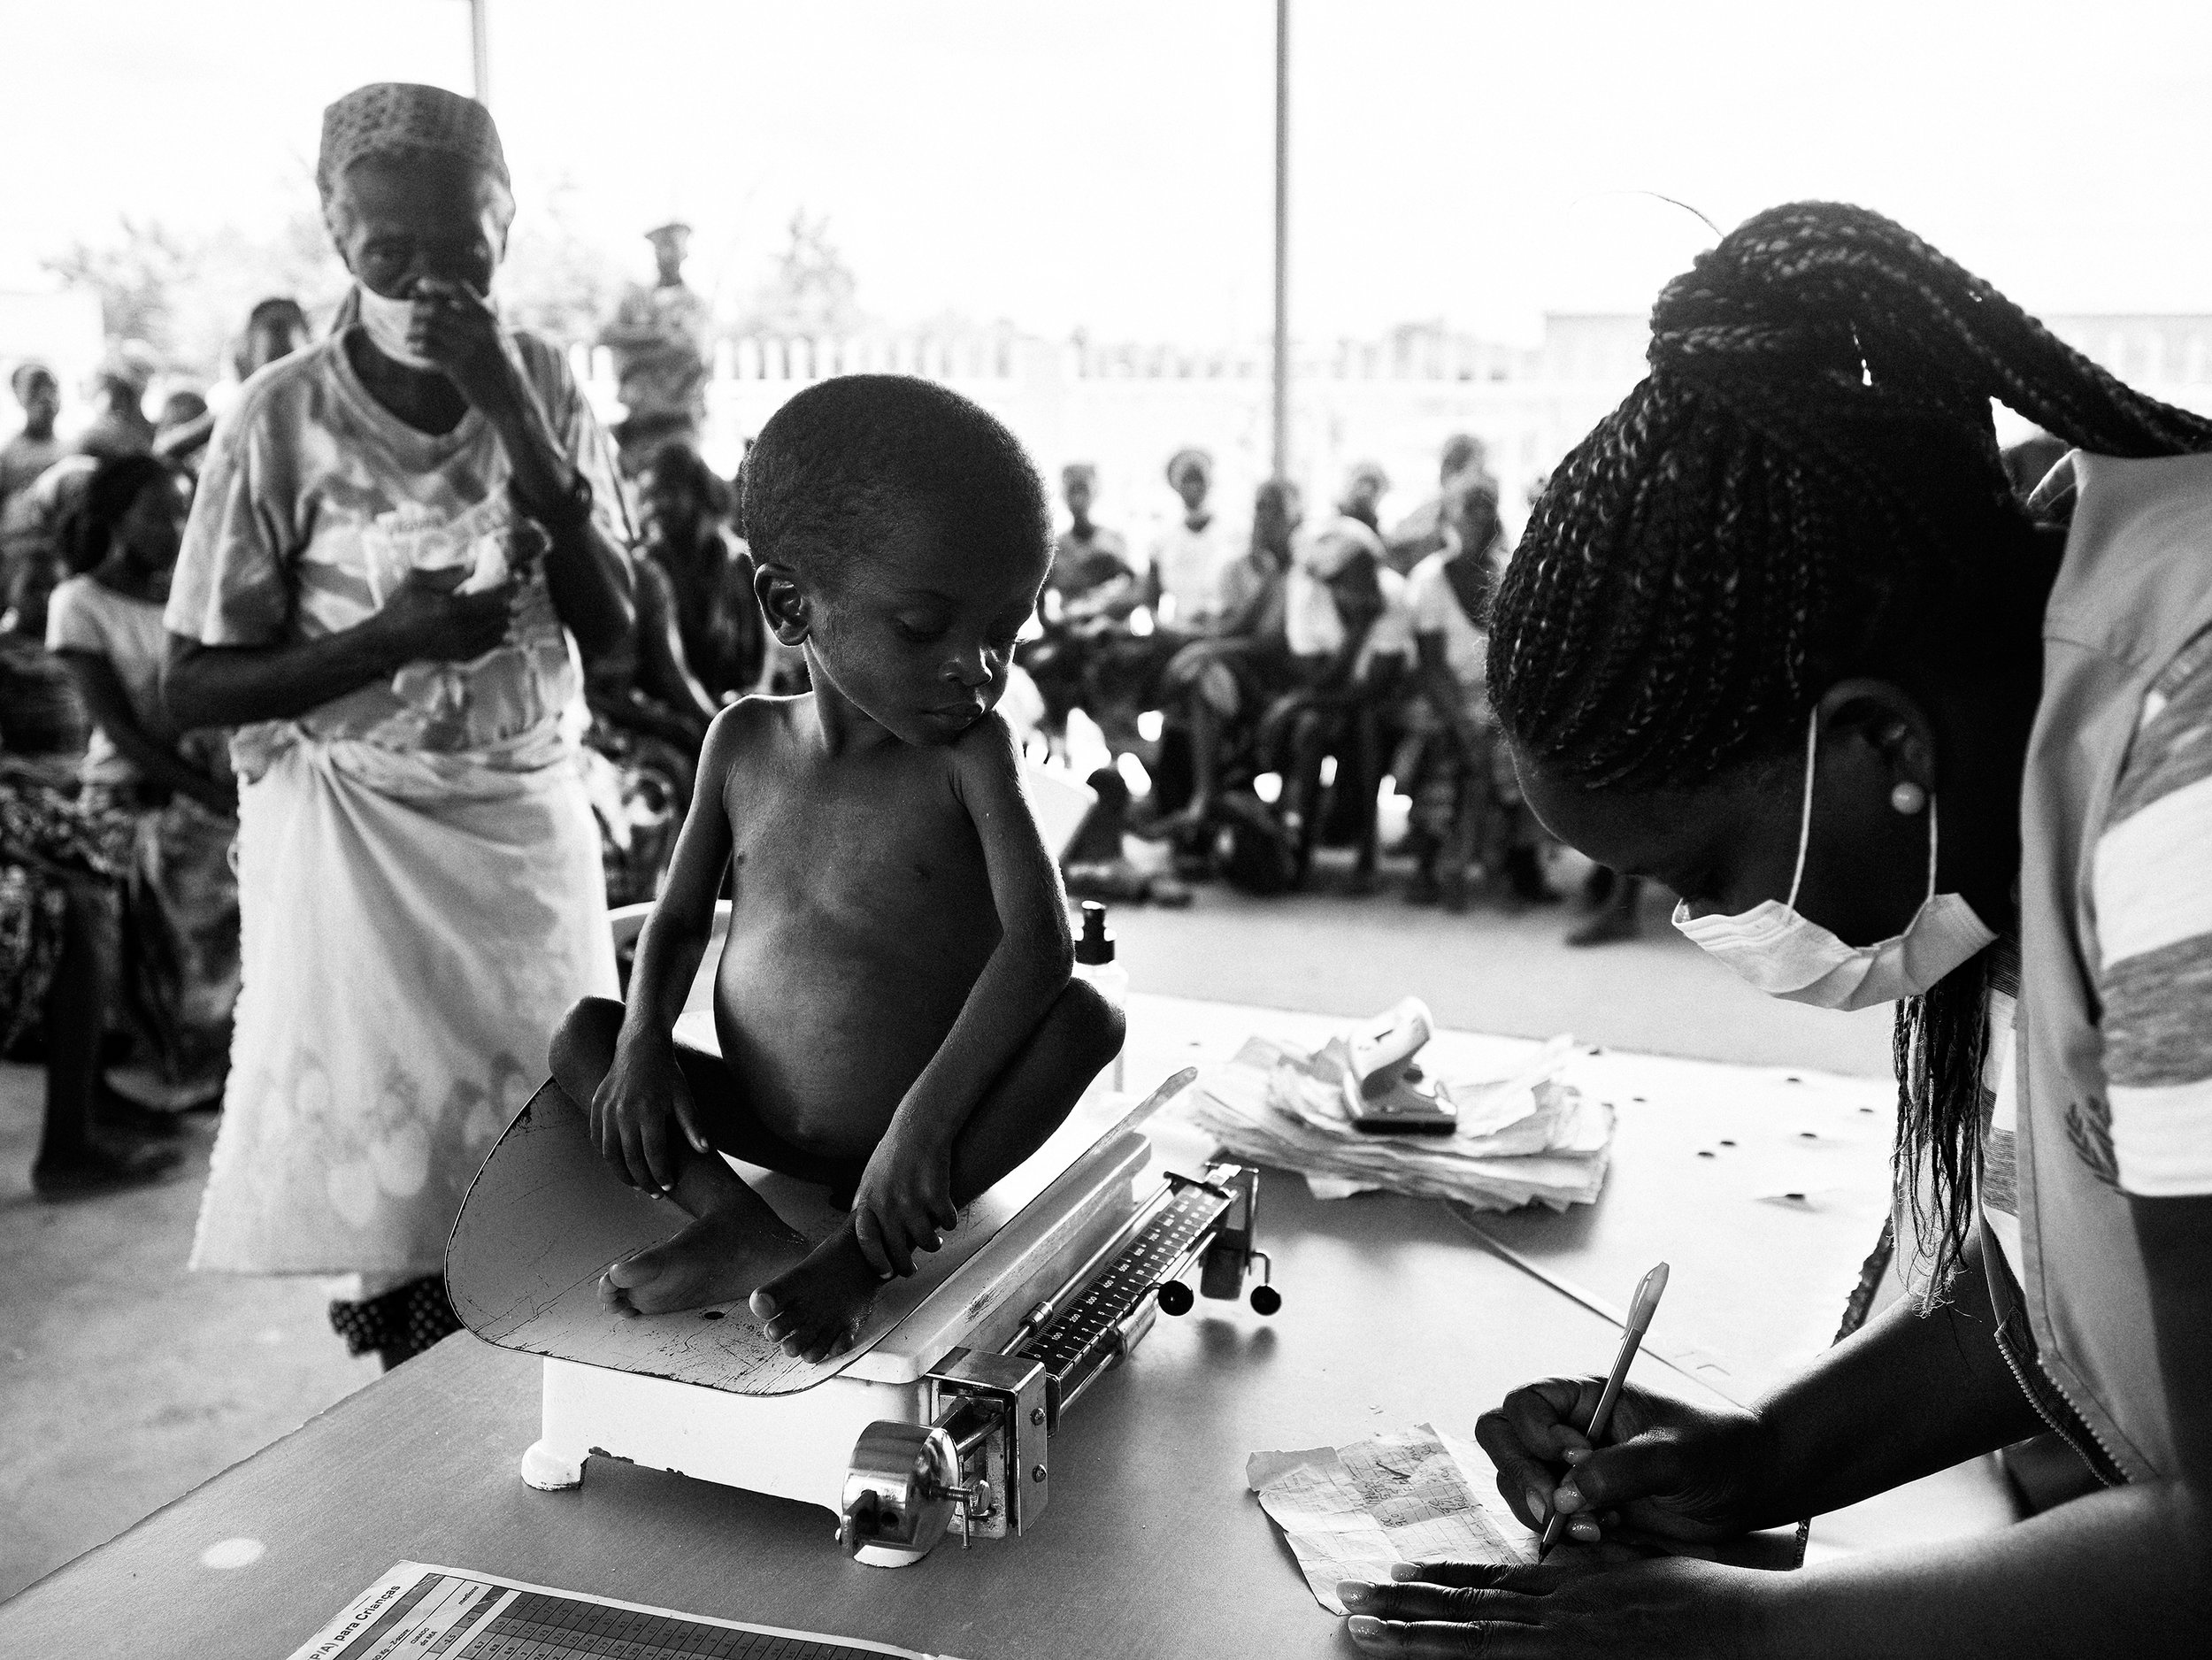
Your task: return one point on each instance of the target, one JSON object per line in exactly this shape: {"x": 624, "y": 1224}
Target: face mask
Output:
{"x": 1787, "y": 955}
{"x": 385, "y": 323}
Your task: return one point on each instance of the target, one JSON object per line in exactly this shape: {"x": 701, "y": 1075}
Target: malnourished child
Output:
{"x": 894, "y": 1005}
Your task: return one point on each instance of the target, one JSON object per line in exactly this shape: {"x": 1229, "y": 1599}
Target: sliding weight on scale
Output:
{"x": 982, "y": 1463}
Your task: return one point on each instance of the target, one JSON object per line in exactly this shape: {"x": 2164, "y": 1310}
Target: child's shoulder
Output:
{"x": 989, "y": 742}
{"x": 987, "y": 752}
{"x": 748, "y": 725}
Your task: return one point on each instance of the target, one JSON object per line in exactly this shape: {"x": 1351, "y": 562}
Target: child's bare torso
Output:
{"x": 861, "y": 915}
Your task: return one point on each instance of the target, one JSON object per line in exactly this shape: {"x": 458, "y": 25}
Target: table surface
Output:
{"x": 1393, "y": 1314}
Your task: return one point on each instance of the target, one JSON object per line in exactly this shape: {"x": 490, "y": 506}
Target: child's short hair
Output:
{"x": 847, "y": 459}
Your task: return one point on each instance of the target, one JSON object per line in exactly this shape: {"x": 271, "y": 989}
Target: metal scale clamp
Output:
{"x": 983, "y": 1462}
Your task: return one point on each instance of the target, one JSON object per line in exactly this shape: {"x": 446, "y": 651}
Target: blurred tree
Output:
{"x": 555, "y": 281}
{"x": 810, "y": 290}
{"x": 186, "y": 295}
{"x": 137, "y": 278}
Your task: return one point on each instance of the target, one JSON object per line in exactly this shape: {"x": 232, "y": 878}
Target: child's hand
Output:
{"x": 903, "y": 1202}
{"x": 632, "y": 1124}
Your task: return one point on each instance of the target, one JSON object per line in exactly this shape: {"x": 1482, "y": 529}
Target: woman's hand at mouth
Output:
{"x": 457, "y": 329}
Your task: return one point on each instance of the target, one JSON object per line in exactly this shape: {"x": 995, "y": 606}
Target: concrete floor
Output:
{"x": 124, "y": 1382}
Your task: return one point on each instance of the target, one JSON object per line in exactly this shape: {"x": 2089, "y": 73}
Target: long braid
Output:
{"x": 1805, "y": 485}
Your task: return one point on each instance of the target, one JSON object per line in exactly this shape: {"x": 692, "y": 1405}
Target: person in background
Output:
{"x": 1091, "y": 574}
{"x": 30, "y": 550}
{"x": 120, "y": 426}
{"x": 1361, "y": 499}
{"x": 1215, "y": 688}
{"x": 1188, "y": 557}
{"x": 25, "y": 538}
{"x": 1465, "y": 462}
{"x": 1455, "y": 815}
{"x": 649, "y": 712}
{"x": 641, "y": 756}
{"x": 662, "y": 337}
{"x": 34, "y": 448}
{"x": 1088, "y": 595}
{"x": 405, "y": 535}
{"x": 275, "y": 328}
{"x": 62, "y": 866}
{"x": 684, "y": 512}
{"x": 182, "y": 431}
{"x": 103, "y": 624}
{"x": 1350, "y": 640}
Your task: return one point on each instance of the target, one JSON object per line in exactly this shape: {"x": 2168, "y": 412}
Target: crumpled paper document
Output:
{"x": 1529, "y": 1137}
{"x": 1349, "y": 1512}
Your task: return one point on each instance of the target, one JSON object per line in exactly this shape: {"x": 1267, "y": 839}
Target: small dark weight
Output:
{"x": 1266, "y": 1299}
{"x": 1175, "y": 1298}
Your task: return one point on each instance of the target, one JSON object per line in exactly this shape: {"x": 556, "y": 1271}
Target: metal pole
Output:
{"x": 1282, "y": 238}
{"x": 481, "y": 49}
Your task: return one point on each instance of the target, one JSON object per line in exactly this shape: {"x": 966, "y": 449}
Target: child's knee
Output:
{"x": 583, "y": 1043}
{"x": 1094, "y": 1026}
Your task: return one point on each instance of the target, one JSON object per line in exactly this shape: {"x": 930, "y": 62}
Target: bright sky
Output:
{"x": 1107, "y": 162}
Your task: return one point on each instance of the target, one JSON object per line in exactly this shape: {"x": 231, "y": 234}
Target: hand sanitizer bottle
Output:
{"x": 1094, "y": 962}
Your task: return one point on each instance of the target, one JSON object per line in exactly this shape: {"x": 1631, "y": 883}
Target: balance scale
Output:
{"x": 940, "y": 1418}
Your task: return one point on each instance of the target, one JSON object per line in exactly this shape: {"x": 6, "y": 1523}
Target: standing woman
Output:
{"x": 399, "y": 531}
{"x": 1781, "y": 635}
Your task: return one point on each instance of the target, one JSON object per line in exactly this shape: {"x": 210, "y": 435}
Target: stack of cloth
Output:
{"x": 1528, "y": 1138}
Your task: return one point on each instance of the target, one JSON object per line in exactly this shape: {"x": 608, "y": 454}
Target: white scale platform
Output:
{"x": 710, "y": 1397}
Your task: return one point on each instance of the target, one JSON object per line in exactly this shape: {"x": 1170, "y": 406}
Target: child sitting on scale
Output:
{"x": 895, "y": 1004}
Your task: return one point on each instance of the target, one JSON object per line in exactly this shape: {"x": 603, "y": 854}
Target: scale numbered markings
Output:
{"x": 1084, "y": 1337}
{"x": 421, "y": 1611}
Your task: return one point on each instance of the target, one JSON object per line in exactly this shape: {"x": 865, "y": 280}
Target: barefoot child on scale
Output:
{"x": 896, "y": 1014}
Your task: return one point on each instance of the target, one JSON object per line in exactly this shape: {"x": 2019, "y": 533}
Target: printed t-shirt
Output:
{"x": 316, "y": 504}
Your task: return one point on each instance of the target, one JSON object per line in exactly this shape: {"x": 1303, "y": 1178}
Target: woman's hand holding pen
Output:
{"x": 1665, "y": 1467}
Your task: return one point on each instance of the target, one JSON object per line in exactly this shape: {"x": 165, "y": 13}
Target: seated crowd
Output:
{"x": 1268, "y": 680}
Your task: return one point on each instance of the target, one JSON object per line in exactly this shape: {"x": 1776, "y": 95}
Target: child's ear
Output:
{"x": 784, "y": 601}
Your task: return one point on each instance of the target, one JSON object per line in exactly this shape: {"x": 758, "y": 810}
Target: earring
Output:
{"x": 1909, "y": 798}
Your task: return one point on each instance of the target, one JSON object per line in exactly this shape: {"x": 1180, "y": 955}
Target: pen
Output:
{"x": 1639, "y": 1314}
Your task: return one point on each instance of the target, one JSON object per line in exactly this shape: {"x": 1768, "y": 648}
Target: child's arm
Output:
{"x": 644, "y": 1090}
{"x": 101, "y": 689}
{"x": 905, "y": 1196}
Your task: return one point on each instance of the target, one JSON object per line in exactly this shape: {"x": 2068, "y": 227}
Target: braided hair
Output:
{"x": 1806, "y": 486}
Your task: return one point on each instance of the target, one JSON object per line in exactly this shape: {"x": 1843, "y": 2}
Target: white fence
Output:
{"x": 1128, "y": 409}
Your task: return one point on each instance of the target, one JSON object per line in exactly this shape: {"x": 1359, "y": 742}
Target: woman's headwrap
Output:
{"x": 400, "y": 117}
{"x": 1184, "y": 459}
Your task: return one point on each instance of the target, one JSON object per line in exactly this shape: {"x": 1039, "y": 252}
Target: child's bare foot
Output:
{"x": 734, "y": 1241}
{"x": 717, "y": 1258}
{"x": 814, "y": 1309}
